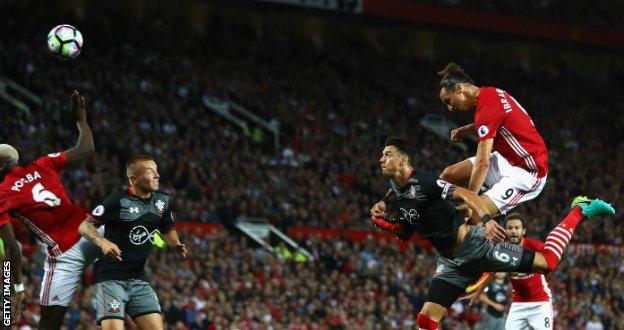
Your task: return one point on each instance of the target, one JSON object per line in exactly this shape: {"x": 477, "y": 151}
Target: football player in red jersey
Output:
{"x": 532, "y": 299}
{"x": 511, "y": 159}
{"x": 12, "y": 251}
{"x": 34, "y": 195}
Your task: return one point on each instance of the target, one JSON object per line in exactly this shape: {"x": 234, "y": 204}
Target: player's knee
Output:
{"x": 449, "y": 174}
{"x": 541, "y": 265}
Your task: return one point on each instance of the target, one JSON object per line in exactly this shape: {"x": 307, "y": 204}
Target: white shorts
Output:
{"x": 530, "y": 315}
{"x": 63, "y": 273}
{"x": 508, "y": 185}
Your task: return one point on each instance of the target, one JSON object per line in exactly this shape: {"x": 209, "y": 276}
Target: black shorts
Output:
{"x": 477, "y": 255}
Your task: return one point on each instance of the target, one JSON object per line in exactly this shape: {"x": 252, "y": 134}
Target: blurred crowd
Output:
{"x": 230, "y": 283}
{"x": 336, "y": 103}
{"x": 584, "y": 12}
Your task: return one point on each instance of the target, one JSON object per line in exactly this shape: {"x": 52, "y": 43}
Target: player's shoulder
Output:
{"x": 488, "y": 91}
{"x": 423, "y": 175}
{"x": 163, "y": 196}
{"x": 162, "y": 193}
{"x": 116, "y": 196}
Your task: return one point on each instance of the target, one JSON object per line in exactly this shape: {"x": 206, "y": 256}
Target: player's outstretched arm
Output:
{"x": 172, "y": 239}
{"x": 481, "y": 165}
{"x": 14, "y": 254}
{"x": 458, "y": 133}
{"x": 85, "y": 146}
{"x": 88, "y": 230}
{"x": 494, "y": 231}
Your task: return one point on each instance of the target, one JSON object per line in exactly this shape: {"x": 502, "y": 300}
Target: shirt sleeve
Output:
{"x": 4, "y": 218}
{"x": 489, "y": 115}
{"x": 435, "y": 188}
{"x": 167, "y": 223}
{"x": 107, "y": 211}
{"x": 56, "y": 161}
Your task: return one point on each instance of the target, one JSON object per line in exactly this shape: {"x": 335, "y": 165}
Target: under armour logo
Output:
{"x": 134, "y": 209}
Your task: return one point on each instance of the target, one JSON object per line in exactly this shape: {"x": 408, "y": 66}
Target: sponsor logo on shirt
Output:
{"x": 139, "y": 235}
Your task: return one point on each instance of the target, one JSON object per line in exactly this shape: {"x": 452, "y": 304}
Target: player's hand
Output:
{"x": 110, "y": 249}
{"x": 458, "y": 133}
{"x": 472, "y": 298}
{"x": 182, "y": 252}
{"x": 78, "y": 106}
{"x": 402, "y": 232}
{"x": 17, "y": 305}
{"x": 379, "y": 209}
{"x": 494, "y": 232}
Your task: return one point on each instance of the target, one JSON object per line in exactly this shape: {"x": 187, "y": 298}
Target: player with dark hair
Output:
{"x": 8, "y": 160}
{"x": 34, "y": 195}
{"x": 494, "y": 296}
{"x": 511, "y": 159}
{"x": 419, "y": 202}
{"x": 132, "y": 219}
{"x": 532, "y": 299}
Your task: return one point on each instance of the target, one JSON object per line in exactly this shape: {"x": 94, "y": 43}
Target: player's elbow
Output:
{"x": 83, "y": 229}
{"x": 482, "y": 164}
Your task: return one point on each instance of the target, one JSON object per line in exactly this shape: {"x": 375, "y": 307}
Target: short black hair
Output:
{"x": 514, "y": 216}
{"x": 452, "y": 75}
{"x": 403, "y": 146}
{"x": 134, "y": 159}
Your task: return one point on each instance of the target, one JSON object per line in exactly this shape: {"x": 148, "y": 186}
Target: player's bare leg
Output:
{"x": 492, "y": 208}
{"x": 150, "y": 321}
{"x": 458, "y": 174}
{"x": 433, "y": 311}
{"x": 52, "y": 317}
{"x": 113, "y": 324}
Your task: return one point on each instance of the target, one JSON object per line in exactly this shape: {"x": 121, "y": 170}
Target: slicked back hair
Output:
{"x": 452, "y": 75}
{"x": 403, "y": 146}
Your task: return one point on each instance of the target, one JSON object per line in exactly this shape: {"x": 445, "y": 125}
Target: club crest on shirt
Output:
{"x": 413, "y": 192}
{"x": 114, "y": 306}
{"x": 160, "y": 206}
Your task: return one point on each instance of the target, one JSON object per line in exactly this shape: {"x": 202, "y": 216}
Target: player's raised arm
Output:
{"x": 481, "y": 165}
{"x": 85, "y": 146}
{"x": 379, "y": 209}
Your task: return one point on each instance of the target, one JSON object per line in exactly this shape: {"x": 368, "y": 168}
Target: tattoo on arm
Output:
{"x": 89, "y": 231}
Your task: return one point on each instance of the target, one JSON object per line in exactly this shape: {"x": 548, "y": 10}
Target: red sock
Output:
{"x": 559, "y": 238}
{"x": 425, "y": 323}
